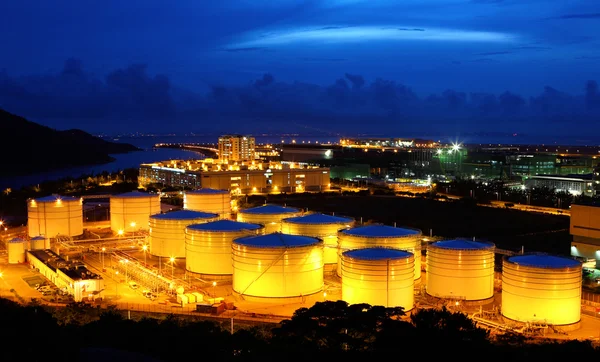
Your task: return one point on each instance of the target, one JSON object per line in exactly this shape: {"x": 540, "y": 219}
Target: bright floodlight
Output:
{"x": 172, "y": 259}
{"x": 120, "y": 232}
{"x": 132, "y": 224}
{"x": 145, "y": 247}
{"x": 455, "y": 146}
{"x": 439, "y": 152}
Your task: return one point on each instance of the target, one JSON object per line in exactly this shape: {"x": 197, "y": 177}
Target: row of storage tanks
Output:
{"x": 16, "y": 248}
{"x": 56, "y": 215}
{"x": 275, "y": 251}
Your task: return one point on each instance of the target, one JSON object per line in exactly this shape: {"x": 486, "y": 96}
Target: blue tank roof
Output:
{"x": 38, "y": 238}
{"x": 136, "y": 194}
{"x": 184, "y": 215}
{"x": 269, "y": 209}
{"x": 207, "y": 191}
{"x": 16, "y": 240}
{"x": 463, "y": 244}
{"x": 544, "y": 261}
{"x": 225, "y": 225}
{"x": 318, "y": 218}
{"x": 381, "y": 231}
{"x": 53, "y": 198}
{"x": 377, "y": 254}
{"x": 277, "y": 240}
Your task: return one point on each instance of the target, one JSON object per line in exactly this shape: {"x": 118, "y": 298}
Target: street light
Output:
{"x": 103, "y": 250}
{"x": 126, "y": 267}
{"x": 120, "y": 232}
{"x": 172, "y": 259}
{"x": 145, "y": 248}
{"x": 214, "y": 285}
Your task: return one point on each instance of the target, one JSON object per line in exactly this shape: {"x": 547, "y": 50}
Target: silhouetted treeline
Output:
{"x": 326, "y": 331}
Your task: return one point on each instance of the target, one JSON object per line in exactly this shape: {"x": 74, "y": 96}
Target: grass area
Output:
{"x": 507, "y": 228}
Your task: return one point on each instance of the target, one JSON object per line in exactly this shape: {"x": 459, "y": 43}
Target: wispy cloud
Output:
{"x": 580, "y": 16}
{"x": 323, "y": 59}
{"x": 494, "y": 53}
{"x": 369, "y": 33}
{"x": 247, "y": 49}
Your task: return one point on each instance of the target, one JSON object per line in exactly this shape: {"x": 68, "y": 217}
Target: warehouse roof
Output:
{"x": 270, "y": 209}
{"x": 184, "y": 215}
{"x": 277, "y": 240}
{"x": 224, "y": 225}
{"x": 135, "y": 194}
{"x": 463, "y": 244}
{"x": 207, "y": 191}
{"x": 318, "y": 218}
{"x": 75, "y": 271}
{"x": 53, "y": 198}
{"x": 377, "y": 254}
{"x": 544, "y": 261}
{"x": 381, "y": 231}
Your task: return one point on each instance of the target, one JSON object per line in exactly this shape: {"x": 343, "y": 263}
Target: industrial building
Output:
{"x": 130, "y": 211}
{"x": 244, "y": 178}
{"x": 277, "y": 265}
{"x": 542, "y": 288}
{"x": 270, "y": 216}
{"x": 236, "y": 148}
{"x": 379, "y": 235}
{"x": 73, "y": 278}
{"x": 573, "y": 184}
{"x": 166, "y": 237}
{"x": 322, "y": 226}
{"x": 378, "y": 276}
{"x": 208, "y": 200}
{"x": 460, "y": 270}
{"x": 585, "y": 230}
{"x": 55, "y": 215}
{"x": 208, "y": 245}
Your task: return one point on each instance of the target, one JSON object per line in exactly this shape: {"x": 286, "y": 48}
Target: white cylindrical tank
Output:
{"x": 277, "y": 265}
{"x": 208, "y": 200}
{"x": 541, "y": 288}
{"x": 461, "y": 269}
{"x": 166, "y": 237}
{"x": 268, "y": 215}
{"x": 55, "y": 215}
{"x": 322, "y": 226}
{"x": 378, "y": 235}
{"x": 379, "y": 276}
{"x": 131, "y": 211}
{"x": 16, "y": 249}
{"x": 208, "y": 245}
{"x": 38, "y": 243}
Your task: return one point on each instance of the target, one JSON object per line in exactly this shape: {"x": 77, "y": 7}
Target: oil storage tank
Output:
{"x": 208, "y": 245}
{"x": 268, "y": 215}
{"x": 460, "y": 269}
{"x": 277, "y": 265}
{"x": 166, "y": 237}
{"x": 378, "y": 276}
{"x": 16, "y": 249}
{"x": 131, "y": 211}
{"x": 321, "y": 226}
{"x": 208, "y": 200}
{"x": 541, "y": 288}
{"x": 55, "y": 215}
{"x": 39, "y": 243}
{"x": 379, "y": 235}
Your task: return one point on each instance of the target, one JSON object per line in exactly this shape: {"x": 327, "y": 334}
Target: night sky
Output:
{"x": 401, "y": 67}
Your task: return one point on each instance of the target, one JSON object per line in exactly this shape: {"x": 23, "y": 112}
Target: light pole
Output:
{"x": 116, "y": 283}
{"x": 214, "y": 284}
{"x": 125, "y": 261}
{"x": 172, "y": 259}
{"x": 145, "y": 248}
{"x": 103, "y": 250}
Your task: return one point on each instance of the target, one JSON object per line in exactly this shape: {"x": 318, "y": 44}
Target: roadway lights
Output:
{"x": 120, "y": 232}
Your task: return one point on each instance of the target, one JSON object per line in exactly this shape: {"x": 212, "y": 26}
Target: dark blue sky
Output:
{"x": 396, "y": 66}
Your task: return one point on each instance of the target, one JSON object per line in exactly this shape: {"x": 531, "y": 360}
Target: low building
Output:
{"x": 73, "y": 278}
{"x": 254, "y": 177}
{"x": 585, "y": 230}
{"x": 573, "y": 184}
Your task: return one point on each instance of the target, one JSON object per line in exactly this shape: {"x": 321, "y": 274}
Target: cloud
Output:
{"x": 580, "y": 16}
{"x": 324, "y": 59}
{"x": 369, "y": 33}
{"x": 495, "y": 53}
{"x": 249, "y": 49}
{"x": 129, "y": 99}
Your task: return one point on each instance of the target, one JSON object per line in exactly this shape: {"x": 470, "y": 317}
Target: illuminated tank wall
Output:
{"x": 55, "y": 215}
{"x": 16, "y": 249}
{"x": 277, "y": 265}
{"x": 131, "y": 211}
{"x": 541, "y": 288}
{"x": 39, "y": 243}
{"x": 208, "y": 200}
{"x": 378, "y": 276}
{"x": 208, "y": 245}
{"x": 268, "y": 215}
{"x": 324, "y": 227}
{"x": 461, "y": 269}
{"x": 166, "y": 237}
{"x": 378, "y": 235}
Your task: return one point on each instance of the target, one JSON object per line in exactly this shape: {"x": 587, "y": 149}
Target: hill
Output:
{"x": 27, "y": 147}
